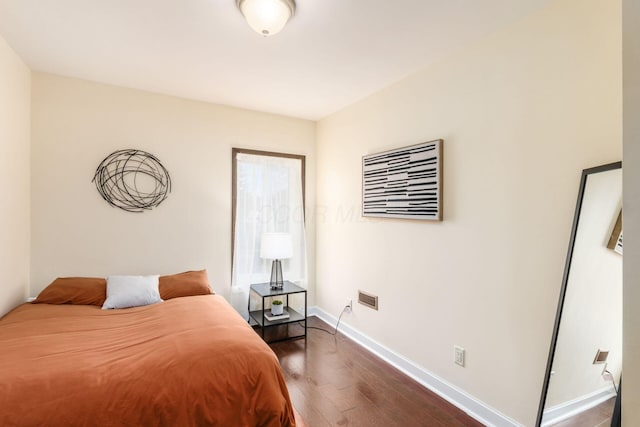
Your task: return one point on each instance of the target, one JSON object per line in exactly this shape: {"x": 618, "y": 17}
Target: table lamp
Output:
{"x": 276, "y": 246}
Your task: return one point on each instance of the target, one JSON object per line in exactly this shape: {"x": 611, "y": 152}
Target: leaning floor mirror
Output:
{"x": 581, "y": 385}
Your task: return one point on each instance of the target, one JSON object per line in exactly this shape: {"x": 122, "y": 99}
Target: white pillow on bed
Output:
{"x": 131, "y": 291}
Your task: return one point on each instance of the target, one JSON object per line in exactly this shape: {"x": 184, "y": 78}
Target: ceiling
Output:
{"x": 331, "y": 54}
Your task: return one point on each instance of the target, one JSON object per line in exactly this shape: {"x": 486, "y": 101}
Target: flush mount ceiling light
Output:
{"x": 267, "y": 17}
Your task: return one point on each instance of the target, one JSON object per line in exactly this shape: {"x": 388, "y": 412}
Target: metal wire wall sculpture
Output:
{"x": 132, "y": 180}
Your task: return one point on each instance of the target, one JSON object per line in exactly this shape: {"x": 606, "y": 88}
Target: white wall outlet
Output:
{"x": 458, "y": 355}
{"x": 349, "y": 305}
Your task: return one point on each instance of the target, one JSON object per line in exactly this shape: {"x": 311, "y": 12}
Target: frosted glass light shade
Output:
{"x": 267, "y": 17}
{"x": 276, "y": 246}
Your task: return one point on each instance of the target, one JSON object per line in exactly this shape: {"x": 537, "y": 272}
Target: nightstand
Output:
{"x": 258, "y": 318}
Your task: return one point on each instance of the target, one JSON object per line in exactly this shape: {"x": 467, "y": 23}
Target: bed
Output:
{"x": 187, "y": 361}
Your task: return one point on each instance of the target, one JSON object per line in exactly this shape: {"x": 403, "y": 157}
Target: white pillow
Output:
{"x": 131, "y": 291}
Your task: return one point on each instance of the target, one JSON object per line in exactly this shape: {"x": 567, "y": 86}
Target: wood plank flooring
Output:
{"x": 335, "y": 382}
{"x": 598, "y": 416}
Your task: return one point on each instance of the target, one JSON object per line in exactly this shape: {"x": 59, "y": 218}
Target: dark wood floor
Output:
{"x": 335, "y": 382}
{"x": 598, "y": 416}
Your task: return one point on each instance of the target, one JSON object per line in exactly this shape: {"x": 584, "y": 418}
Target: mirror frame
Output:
{"x": 565, "y": 279}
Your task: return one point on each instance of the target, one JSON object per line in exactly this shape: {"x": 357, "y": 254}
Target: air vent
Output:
{"x": 368, "y": 300}
{"x": 601, "y": 356}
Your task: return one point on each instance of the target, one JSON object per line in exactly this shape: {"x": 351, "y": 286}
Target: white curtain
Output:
{"x": 268, "y": 199}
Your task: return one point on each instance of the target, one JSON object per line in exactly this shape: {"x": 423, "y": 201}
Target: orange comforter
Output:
{"x": 188, "y": 361}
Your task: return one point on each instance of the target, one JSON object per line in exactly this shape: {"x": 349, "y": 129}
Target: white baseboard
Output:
{"x": 467, "y": 403}
{"x": 573, "y": 407}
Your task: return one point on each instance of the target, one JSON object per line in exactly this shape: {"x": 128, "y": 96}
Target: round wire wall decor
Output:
{"x": 132, "y": 180}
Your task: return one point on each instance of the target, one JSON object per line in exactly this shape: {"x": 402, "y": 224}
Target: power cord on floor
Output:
{"x": 612, "y": 380}
{"x": 335, "y": 331}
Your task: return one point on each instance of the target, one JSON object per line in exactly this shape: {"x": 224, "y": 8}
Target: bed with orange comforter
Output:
{"x": 188, "y": 361}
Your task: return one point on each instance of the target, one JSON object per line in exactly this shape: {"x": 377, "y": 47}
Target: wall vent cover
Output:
{"x": 367, "y": 299}
{"x": 601, "y": 356}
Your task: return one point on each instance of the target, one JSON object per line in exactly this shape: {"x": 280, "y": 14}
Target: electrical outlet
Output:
{"x": 349, "y": 305}
{"x": 458, "y": 355}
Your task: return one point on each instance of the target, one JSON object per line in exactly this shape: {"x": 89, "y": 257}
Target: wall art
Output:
{"x": 132, "y": 180}
{"x": 615, "y": 241}
{"x": 404, "y": 183}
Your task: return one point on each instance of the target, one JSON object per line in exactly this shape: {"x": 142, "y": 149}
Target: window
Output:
{"x": 268, "y": 196}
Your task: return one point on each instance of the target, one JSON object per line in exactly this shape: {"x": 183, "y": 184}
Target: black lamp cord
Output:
{"x": 335, "y": 331}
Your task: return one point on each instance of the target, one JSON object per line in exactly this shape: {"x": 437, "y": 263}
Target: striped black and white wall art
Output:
{"x": 404, "y": 183}
{"x": 615, "y": 241}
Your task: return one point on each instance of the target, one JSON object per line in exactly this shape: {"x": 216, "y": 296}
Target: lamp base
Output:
{"x": 276, "y": 275}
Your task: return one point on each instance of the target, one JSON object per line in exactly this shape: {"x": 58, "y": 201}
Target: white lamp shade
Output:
{"x": 267, "y": 17}
{"x": 276, "y": 246}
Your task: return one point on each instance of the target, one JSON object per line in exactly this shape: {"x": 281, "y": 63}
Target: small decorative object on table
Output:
{"x": 276, "y": 307}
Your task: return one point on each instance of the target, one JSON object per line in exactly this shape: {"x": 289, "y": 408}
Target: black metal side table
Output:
{"x": 258, "y": 317}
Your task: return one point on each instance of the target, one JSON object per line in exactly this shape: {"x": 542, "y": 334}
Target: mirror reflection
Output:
{"x": 585, "y": 362}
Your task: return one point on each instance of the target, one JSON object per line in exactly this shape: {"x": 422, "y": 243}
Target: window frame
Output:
{"x": 234, "y": 185}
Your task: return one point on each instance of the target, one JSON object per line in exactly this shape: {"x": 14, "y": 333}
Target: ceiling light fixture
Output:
{"x": 267, "y": 17}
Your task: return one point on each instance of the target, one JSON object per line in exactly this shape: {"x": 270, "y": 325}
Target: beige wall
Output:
{"x": 631, "y": 325}
{"x": 77, "y": 123}
{"x": 15, "y": 117}
{"x": 521, "y": 114}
